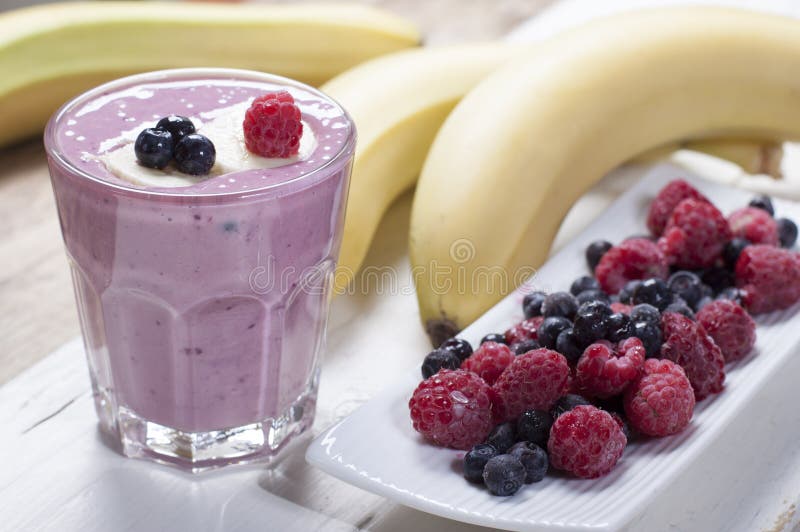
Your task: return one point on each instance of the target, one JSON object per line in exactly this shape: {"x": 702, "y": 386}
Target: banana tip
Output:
{"x": 440, "y": 330}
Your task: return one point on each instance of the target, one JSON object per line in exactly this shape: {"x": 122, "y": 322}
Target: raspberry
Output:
{"x": 452, "y": 409}
{"x": 604, "y": 370}
{"x": 770, "y": 278}
{"x": 661, "y": 401}
{"x": 272, "y": 126}
{"x": 635, "y": 258}
{"x": 534, "y": 380}
{"x": 688, "y": 344}
{"x": 524, "y": 330}
{"x": 733, "y": 330}
{"x": 695, "y": 235}
{"x": 489, "y": 361}
{"x": 586, "y": 441}
{"x": 755, "y": 225}
{"x": 665, "y": 202}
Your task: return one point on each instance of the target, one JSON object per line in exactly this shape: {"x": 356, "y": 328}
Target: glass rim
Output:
{"x": 55, "y": 120}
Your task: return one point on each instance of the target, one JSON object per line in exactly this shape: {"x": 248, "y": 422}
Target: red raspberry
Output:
{"x": 732, "y": 329}
{"x": 667, "y": 199}
{"x": 452, "y": 409}
{"x": 635, "y": 258}
{"x": 688, "y": 344}
{"x": 604, "y": 370}
{"x": 489, "y": 361}
{"x": 534, "y": 380}
{"x": 695, "y": 235}
{"x": 756, "y": 225}
{"x": 272, "y": 126}
{"x": 621, "y": 307}
{"x": 524, "y": 330}
{"x": 770, "y": 278}
{"x": 586, "y": 441}
{"x": 661, "y": 401}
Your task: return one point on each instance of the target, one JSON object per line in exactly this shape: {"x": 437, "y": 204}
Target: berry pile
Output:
{"x": 626, "y": 352}
{"x": 174, "y": 139}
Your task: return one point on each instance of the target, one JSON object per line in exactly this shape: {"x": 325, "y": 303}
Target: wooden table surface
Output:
{"x": 37, "y": 309}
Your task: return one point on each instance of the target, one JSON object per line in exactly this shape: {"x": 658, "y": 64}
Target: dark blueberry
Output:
{"x": 533, "y": 457}
{"x": 591, "y": 322}
{"x": 582, "y": 284}
{"x": 550, "y": 329}
{"x": 178, "y": 126}
{"x": 475, "y": 460}
{"x": 499, "y": 338}
{"x": 732, "y": 250}
{"x": 560, "y": 304}
{"x": 195, "y": 155}
{"x": 534, "y": 426}
{"x": 650, "y": 335}
{"x": 764, "y": 203}
{"x": 707, "y": 290}
{"x": 153, "y": 148}
{"x": 592, "y": 295}
{"x": 705, "y": 300}
{"x": 569, "y": 346}
{"x": 646, "y": 313}
{"x": 520, "y": 348}
{"x": 566, "y": 403}
{"x": 532, "y": 304}
{"x": 626, "y": 294}
{"x": 504, "y": 475}
{"x": 653, "y": 292}
{"x": 438, "y": 359}
{"x": 787, "y": 232}
{"x": 502, "y": 437}
{"x": 460, "y": 347}
{"x": 619, "y": 327}
{"x": 732, "y": 293}
{"x": 686, "y": 285}
{"x": 595, "y": 252}
{"x": 680, "y": 306}
{"x": 718, "y": 279}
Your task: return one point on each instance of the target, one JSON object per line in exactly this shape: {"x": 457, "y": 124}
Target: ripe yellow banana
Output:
{"x": 50, "y": 53}
{"x": 752, "y": 155}
{"x": 523, "y": 145}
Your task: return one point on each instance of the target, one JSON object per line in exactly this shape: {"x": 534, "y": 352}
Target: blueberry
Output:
{"x": 592, "y": 295}
{"x": 707, "y": 290}
{"x": 195, "y": 155}
{"x": 504, "y": 475}
{"x": 475, "y": 460}
{"x": 502, "y": 437}
{"x": 534, "y": 426}
{"x": 560, "y": 304}
{"x": 460, "y": 347}
{"x": 653, "y": 292}
{"x": 717, "y": 278}
{"x": 650, "y": 335}
{"x": 520, "y": 348}
{"x": 732, "y": 293}
{"x": 550, "y": 329}
{"x": 680, "y": 306}
{"x": 787, "y": 232}
{"x": 568, "y": 345}
{"x": 533, "y": 457}
{"x": 566, "y": 403}
{"x": 582, "y": 284}
{"x": 494, "y": 337}
{"x": 686, "y": 285}
{"x": 764, "y": 203}
{"x": 591, "y": 322}
{"x": 532, "y": 304}
{"x": 626, "y": 294}
{"x": 646, "y": 313}
{"x": 619, "y": 327}
{"x": 732, "y": 250}
{"x": 595, "y": 252}
{"x": 438, "y": 359}
{"x": 705, "y": 300}
{"x": 153, "y": 148}
{"x": 178, "y": 126}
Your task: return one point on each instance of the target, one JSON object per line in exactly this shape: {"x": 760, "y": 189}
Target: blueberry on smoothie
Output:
{"x": 178, "y": 126}
{"x": 153, "y": 148}
{"x": 195, "y": 155}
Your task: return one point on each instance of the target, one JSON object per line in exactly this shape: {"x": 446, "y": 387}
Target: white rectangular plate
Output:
{"x": 376, "y": 448}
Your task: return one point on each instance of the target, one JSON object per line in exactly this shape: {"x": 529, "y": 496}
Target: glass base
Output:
{"x": 200, "y": 451}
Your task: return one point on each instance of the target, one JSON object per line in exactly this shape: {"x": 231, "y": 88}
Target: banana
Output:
{"x": 522, "y": 146}
{"x": 53, "y": 52}
{"x": 751, "y": 155}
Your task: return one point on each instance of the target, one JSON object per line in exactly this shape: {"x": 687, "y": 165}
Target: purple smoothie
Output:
{"x": 203, "y": 307}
